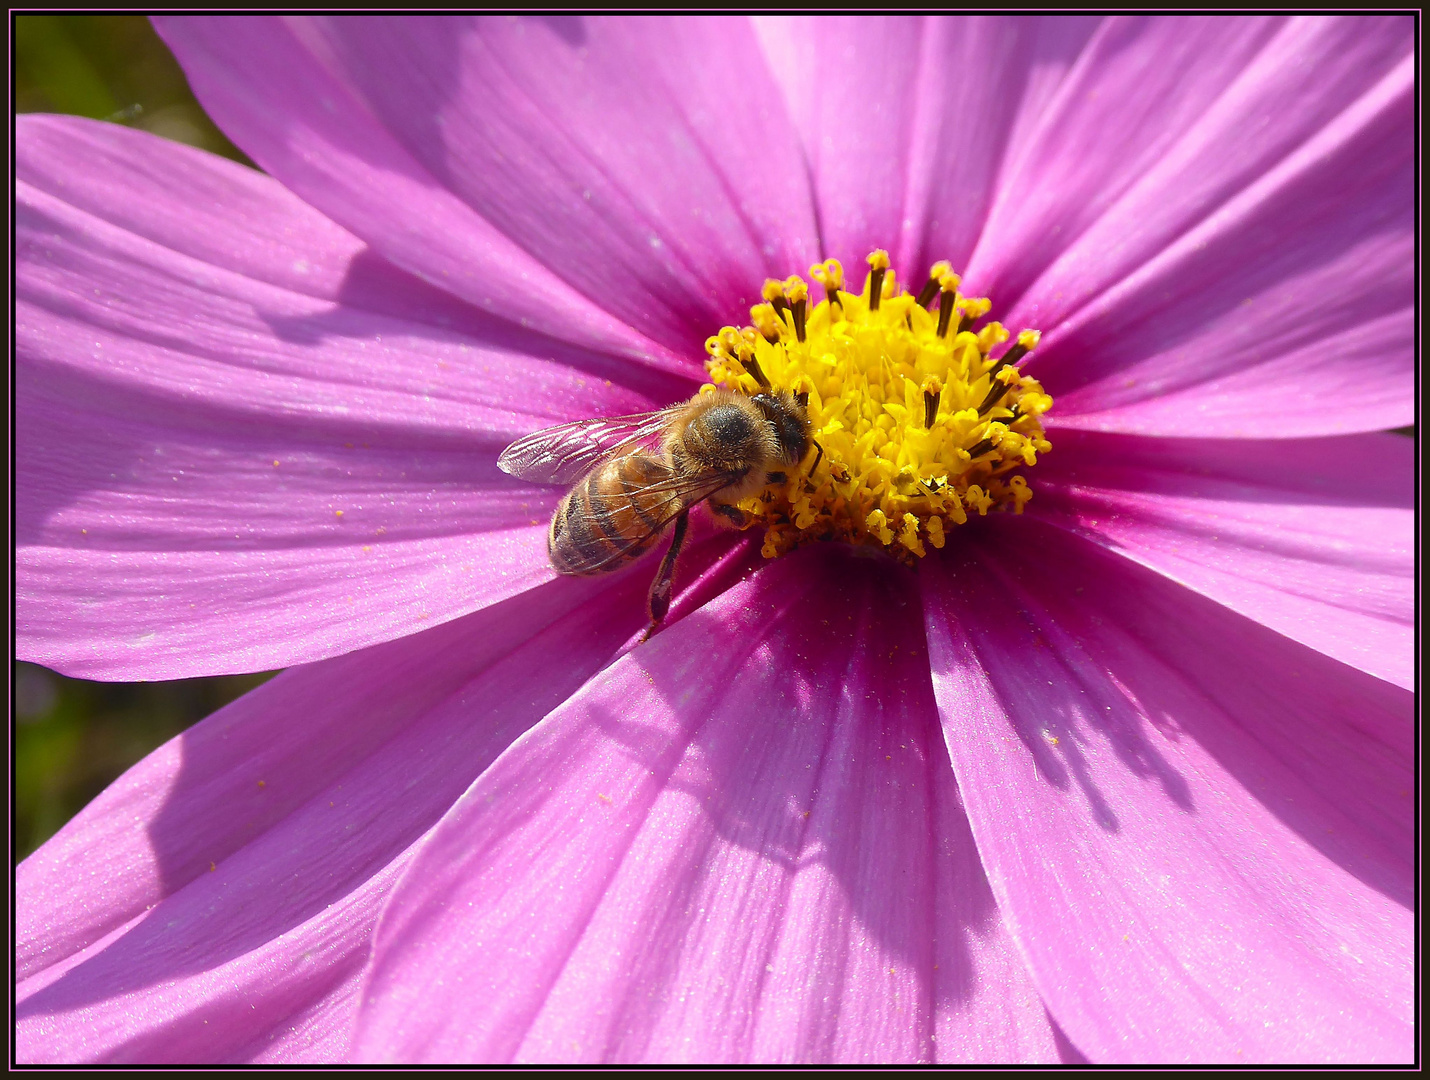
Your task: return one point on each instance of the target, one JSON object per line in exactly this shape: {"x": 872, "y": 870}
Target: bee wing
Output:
{"x": 563, "y": 454}
{"x": 682, "y": 491}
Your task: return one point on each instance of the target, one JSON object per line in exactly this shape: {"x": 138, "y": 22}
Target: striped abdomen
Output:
{"x": 610, "y": 518}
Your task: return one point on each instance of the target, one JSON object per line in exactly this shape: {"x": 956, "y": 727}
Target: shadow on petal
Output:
{"x": 1187, "y": 818}
{"x": 741, "y": 842}
{"x": 250, "y": 858}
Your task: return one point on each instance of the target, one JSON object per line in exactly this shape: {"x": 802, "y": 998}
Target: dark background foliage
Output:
{"x": 72, "y": 737}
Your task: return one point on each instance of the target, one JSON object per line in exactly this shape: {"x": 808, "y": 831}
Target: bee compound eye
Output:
{"x": 768, "y": 405}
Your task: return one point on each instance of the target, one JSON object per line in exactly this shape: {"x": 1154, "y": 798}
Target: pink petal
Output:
{"x": 1199, "y": 831}
{"x": 1136, "y": 87}
{"x": 216, "y": 903}
{"x": 741, "y": 842}
{"x": 907, "y": 123}
{"x": 647, "y": 162}
{"x": 1313, "y": 538}
{"x": 1249, "y": 240}
{"x": 239, "y": 467}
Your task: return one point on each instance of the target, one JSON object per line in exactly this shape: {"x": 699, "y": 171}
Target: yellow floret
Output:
{"x": 920, "y": 420}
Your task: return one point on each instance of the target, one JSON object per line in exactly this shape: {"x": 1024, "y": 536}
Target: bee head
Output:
{"x": 789, "y": 423}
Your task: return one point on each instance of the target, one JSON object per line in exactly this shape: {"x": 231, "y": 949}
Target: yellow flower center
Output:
{"x": 915, "y": 424}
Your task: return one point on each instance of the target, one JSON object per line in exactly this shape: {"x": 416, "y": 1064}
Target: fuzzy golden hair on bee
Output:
{"x": 636, "y": 478}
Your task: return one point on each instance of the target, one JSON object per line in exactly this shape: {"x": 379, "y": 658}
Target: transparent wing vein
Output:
{"x": 563, "y": 454}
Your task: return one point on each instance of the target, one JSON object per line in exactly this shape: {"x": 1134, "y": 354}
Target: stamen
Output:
{"x": 830, "y": 274}
{"x": 798, "y": 293}
{"x": 932, "y": 387}
{"x": 766, "y": 321}
{"x": 930, "y": 289}
{"x": 949, "y": 284}
{"x": 973, "y": 310}
{"x": 991, "y": 336}
{"x": 878, "y": 267}
{"x": 1025, "y": 344}
{"x": 752, "y": 365}
{"x": 774, "y": 293}
{"x": 995, "y": 395}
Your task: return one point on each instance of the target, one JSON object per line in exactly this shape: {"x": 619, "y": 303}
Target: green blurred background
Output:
{"x": 72, "y": 737}
{"x": 109, "y": 67}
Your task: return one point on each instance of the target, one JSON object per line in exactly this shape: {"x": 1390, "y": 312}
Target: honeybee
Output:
{"x": 637, "y": 476}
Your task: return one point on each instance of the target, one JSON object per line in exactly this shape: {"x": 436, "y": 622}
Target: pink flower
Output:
{"x": 1125, "y": 777}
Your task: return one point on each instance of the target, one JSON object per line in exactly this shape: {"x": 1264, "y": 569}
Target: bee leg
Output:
{"x": 733, "y": 515}
{"x": 664, "y": 583}
{"x": 817, "y": 458}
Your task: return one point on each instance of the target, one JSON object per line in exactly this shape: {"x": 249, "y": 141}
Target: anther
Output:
{"x": 830, "y": 274}
{"x": 798, "y": 293}
{"x": 949, "y": 284}
{"x": 750, "y": 364}
{"x": 767, "y": 321}
{"x": 945, "y": 313}
{"x": 995, "y": 395}
{"x": 1025, "y": 344}
{"x": 878, "y": 266}
{"x": 932, "y": 387}
{"x": 973, "y": 310}
{"x": 774, "y": 294}
{"x": 930, "y": 289}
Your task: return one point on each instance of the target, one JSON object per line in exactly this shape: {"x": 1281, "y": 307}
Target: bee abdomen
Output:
{"x": 610, "y": 518}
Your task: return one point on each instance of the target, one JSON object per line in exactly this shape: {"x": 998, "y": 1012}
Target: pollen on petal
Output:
{"x": 909, "y": 535}
{"x": 918, "y": 420}
{"x": 878, "y": 526}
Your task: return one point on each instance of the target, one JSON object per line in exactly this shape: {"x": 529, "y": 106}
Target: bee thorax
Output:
{"x": 729, "y": 436}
